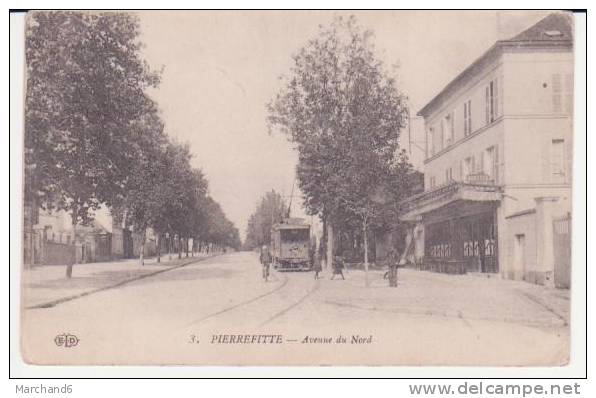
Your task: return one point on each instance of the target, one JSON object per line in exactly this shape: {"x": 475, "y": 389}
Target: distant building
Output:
{"x": 50, "y": 239}
{"x": 497, "y": 173}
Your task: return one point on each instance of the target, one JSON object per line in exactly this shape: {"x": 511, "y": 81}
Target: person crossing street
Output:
{"x": 338, "y": 267}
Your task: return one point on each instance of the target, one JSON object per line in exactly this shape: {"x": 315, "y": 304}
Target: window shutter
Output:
{"x": 469, "y": 116}
{"x": 487, "y": 105}
{"x": 452, "y": 132}
{"x": 465, "y": 119}
{"x": 496, "y": 98}
{"x": 481, "y": 161}
{"x": 569, "y": 94}
{"x": 496, "y": 164}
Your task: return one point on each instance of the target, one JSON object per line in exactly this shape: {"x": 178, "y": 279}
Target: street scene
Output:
{"x": 297, "y": 188}
{"x": 165, "y": 318}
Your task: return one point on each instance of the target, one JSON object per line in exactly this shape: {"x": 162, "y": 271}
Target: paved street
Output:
{"x": 203, "y": 312}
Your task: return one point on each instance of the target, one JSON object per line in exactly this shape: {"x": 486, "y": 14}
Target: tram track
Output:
{"x": 293, "y": 305}
{"x": 240, "y": 304}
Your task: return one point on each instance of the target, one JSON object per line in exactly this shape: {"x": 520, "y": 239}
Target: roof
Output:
{"x": 94, "y": 226}
{"x": 291, "y": 226}
{"x": 555, "y": 30}
{"x": 553, "y": 27}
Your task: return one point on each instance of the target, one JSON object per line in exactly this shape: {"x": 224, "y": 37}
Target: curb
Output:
{"x": 56, "y": 302}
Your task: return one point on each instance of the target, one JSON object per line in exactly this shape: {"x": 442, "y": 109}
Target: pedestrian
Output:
{"x": 317, "y": 264}
{"x": 265, "y": 259}
{"x": 393, "y": 259}
{"x": 338, "y": 267}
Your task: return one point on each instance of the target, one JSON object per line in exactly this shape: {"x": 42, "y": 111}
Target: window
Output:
{"x": 569, "y": 94}
{"x": 432, "y": 182}
{"x": 447, "y": 130}
{"x": 557, "y": 160}
{"x": 468, "y": 167}
{"x": 562, "y": 95}
{"x": 431, "y": 141}
{"x": 448, "y": 175}
{"x": 519, "y": 249}
{"x": 492, "y": 101}
{"x": 467, "y": 118}
{"x": 490, "y": 163}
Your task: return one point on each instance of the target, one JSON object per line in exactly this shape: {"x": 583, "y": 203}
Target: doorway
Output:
{"x": 519, "y": 254}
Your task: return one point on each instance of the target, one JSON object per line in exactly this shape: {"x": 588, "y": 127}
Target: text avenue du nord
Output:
{"x": 279, "y": 339}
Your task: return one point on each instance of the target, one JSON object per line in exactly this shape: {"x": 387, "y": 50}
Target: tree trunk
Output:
{"x": 179, "y": 247}
{"x": 158, "y": 242}
{"x": 170, "y": 246}
{"x": 365, "y": 238}
{"x": 186, "y": 246}
{"x": 74, "y": 241}
{"x": 142, "y": 249}
{"x": 323, "y": 244}
{"x": 329, "y": 262}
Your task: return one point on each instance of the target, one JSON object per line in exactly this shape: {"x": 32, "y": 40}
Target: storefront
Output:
{"x": 460, "y": 228}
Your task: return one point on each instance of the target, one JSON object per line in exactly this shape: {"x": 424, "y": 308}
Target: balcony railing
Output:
{"x": 483, "y": 189}
{"x": 480, "y": 179}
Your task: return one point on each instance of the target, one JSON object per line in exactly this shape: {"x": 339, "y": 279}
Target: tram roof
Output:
{"x": 291, "y": 226}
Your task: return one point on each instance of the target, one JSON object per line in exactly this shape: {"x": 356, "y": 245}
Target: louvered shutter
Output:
{"x": 487, "y": 105}
{"x": 496, "y": 98}
{"x": 452, "y": 127}
{"x": 569, "y": 94}
{"x": 496, "y": 164}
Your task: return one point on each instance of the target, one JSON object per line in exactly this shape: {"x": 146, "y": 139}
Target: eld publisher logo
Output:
{"x": 66, "y": 340}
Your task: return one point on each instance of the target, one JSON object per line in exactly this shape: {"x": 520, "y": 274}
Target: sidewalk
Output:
{"x": 427, "y": 293}
{"x": 48, "y": 283}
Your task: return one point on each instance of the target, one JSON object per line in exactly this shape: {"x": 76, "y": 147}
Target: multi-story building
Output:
{"x": 497, "y": 171}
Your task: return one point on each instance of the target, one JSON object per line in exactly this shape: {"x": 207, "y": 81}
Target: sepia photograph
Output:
{"x": 298, "y": 188}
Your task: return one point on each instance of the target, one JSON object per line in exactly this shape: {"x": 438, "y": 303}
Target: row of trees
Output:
{"x": 343, "y": 112}
{"x": 270, "y": 210}
{"x": 94, "y": 137}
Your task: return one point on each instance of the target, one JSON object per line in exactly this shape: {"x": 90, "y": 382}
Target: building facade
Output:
{"x": 50, "y": 239}
{"x": 497, "y": 172}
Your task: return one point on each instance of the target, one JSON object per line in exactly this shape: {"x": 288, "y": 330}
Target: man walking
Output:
{"x": 265, "y": 259}
{"x": 393, "y": 259}
{"x": 316, "y": 263}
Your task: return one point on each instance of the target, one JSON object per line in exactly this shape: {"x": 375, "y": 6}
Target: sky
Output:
{"x": 220, "y": 68}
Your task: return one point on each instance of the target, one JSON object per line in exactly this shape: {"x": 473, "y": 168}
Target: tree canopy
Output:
{"x": 343, "y": 111}
{"x": 93, "y": 136}
{"x": 270, "y": 210}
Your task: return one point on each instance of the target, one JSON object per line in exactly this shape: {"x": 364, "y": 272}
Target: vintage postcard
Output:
{"x": 297, "y": 188}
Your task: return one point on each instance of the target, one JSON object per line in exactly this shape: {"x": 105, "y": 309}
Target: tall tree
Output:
{"x": 270, "y": 210}
{"x": 343, "y": 112}
{"x": 86, "y": 84}
{"x": 144, "y": 200}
